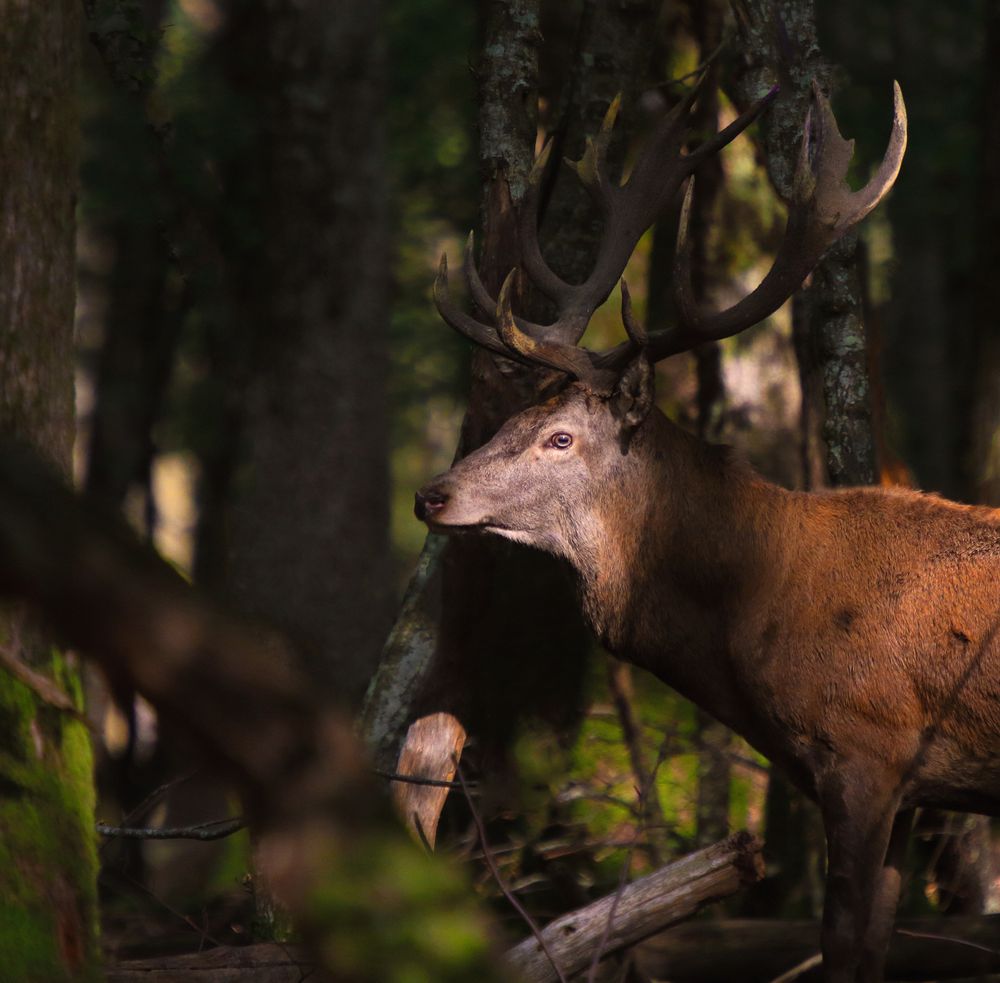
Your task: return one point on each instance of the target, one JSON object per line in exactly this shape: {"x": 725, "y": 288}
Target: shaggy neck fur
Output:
{"x": 654, "y": 531}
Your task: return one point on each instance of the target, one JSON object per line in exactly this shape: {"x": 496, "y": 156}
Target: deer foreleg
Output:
{"x": 884, "y": 900}
{"x": 858, "y": 813}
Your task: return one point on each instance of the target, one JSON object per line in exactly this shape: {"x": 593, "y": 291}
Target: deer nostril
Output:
{"x": 427, "y": 503}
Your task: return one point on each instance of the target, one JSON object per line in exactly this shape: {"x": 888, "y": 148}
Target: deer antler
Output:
{"x": 628, "y": 210}
{"x": 822, "y": 209}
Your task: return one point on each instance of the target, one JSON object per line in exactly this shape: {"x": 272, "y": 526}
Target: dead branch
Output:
{"x": 265, "y": 963}
{"x": 645, "y": 906}
{"x": 697, "y": 952}
{"x": 433, "y": 744}
{"x": 43, "y": 687}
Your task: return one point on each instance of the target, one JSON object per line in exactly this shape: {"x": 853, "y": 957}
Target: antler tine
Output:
{"x": 539, "y": 272}
{"x": 477, "y": 289}
{"x": 636, "y": 332}
{"x": 574, "y": 361}
{"x": 482, "y": 334}
{"x": 823, "y": 209}
{"x": 835, "y": 202}
{"x": 590, "y": 168}
{"x": 628, "y": 210}
{"x": 510, "y": 338}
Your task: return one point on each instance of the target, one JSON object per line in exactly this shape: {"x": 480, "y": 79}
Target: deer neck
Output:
{"x": 683, "y": 544}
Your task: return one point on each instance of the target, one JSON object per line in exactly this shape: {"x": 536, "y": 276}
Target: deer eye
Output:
{"x": 561, "y": 440}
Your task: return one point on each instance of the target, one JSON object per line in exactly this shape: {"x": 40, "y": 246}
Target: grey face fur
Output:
{"x": 539, "y": 479}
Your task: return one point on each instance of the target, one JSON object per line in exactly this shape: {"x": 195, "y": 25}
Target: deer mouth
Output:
{"x": 441, "y": 525}
{"x": 431, "y": 507}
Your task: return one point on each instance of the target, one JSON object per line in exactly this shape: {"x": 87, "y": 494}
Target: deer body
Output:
{"x": 820, "y": 626}
{"x": 853, "y": 637}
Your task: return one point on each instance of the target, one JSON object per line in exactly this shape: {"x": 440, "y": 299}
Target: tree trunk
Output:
{"x": 303, "y": 507}
{"x": 985, "y": 424}
{"x": 781, "y": 45}
{"x": 142, "y": 323}
{"x": 487, "y": 625}
{"x": 48, "y": 863}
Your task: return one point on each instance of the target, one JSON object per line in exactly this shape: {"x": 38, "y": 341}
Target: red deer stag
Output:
{"x": 851, "y": 636}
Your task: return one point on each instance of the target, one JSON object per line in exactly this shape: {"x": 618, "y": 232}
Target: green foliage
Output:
{"x": 389, "y": 912}
{"x": 586, "y": 782}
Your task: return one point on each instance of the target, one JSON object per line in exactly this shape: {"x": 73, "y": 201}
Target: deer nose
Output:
{"x": 425, "y": 504}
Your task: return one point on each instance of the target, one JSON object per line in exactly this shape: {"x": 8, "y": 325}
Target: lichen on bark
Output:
{"x": 781, "y": 47}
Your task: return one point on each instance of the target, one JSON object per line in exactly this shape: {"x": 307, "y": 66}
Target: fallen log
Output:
{"x": 267, "y": 962}
{"x": 751, "y": 950}
{"x": 645, "y": 906}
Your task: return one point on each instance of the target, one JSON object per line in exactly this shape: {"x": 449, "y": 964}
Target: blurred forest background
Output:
{"x": 262, "y": 382}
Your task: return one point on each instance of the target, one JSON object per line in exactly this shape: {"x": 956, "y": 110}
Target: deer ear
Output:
{"x": 633, "y": 396}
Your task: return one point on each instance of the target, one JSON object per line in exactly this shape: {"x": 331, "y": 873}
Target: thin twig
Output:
{"x": 395, "y": 776}
{"x": 215, "y": 829}
{"x": 648, "y": 807}
{"x": 495, "y": 871}
{"x": 800, "y": 969}
{"x": 699, "y": 69}
{"x": 623, "y": 877}
{"x": 934, "y": 937}
{"x": 606, "y": 934}
{"x": 150, "y": 800}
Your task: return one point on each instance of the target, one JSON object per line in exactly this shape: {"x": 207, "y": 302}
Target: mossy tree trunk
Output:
{"x": 48, "y": 904}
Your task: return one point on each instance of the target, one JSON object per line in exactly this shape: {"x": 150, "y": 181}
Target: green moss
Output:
{"x": 48, "y": 859}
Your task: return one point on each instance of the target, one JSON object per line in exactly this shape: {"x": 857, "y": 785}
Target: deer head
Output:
{"x": 533, "y": 481}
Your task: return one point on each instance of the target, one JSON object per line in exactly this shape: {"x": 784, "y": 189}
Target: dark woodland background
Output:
{"x": 261, "y": 382}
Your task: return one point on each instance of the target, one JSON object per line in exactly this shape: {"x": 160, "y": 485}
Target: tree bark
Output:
{"x": 486, "y": 625}
{"x": 985, "y": 424}
{"x": 142, "y": 324}
{"x": 781, "y": 46}
{"x": 466, "y": 636}
{"x": 304, "y": 514}
{"x": 48, "y": 863}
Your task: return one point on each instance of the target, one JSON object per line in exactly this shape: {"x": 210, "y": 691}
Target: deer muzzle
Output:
{"x": 427, "y": 503}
